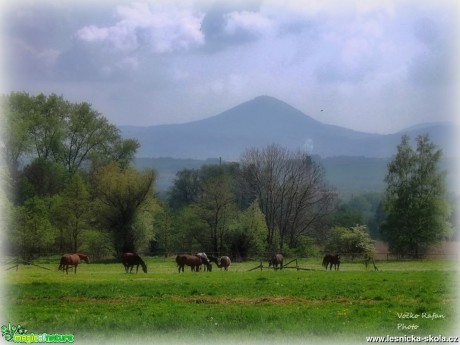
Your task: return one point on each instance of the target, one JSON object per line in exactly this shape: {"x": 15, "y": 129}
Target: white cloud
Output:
{"x": 92, "y": 33}
{"x": 139, "y": 25}
{"x": 251, "y": 22}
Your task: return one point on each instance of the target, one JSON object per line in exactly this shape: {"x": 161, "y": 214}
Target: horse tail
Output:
{"x": 61, "y": 264}
{"x": 325, "y": 261}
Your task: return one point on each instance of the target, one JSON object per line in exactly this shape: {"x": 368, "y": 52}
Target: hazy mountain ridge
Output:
{"x": 266, "y": 120}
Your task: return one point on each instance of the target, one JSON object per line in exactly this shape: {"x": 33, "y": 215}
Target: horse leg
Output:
{"x": 75, "y": 269}
{"x": 137, "y": 268}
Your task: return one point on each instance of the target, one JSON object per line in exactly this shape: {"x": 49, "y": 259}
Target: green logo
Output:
{"x": 18, "y": 334}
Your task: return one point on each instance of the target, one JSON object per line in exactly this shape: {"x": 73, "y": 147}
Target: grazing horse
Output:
{"x": 194, "y": 261}
{"x": 276, "y": 261}
{"x": 330, "y": 260}
{"x": 131, "y": 259}
{"x": 69, "y": 260}
{"x": 205, "y": 261}
{"x": 222, "y": 262}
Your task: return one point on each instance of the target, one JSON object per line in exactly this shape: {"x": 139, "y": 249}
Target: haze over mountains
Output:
{"x": 266, "y": 120}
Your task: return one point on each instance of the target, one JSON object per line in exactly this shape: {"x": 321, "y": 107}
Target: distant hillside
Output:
{"x": 266, "y": 120}
{"x": 349, "y": 175}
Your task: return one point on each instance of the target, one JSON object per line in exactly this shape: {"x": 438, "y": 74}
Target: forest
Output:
{"x": 71, "y": 186}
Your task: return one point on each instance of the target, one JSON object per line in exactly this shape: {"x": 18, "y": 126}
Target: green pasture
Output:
{"x": 103, "y": 302}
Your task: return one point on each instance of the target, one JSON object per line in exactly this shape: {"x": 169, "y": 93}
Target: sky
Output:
{"x": 373, "y": 66}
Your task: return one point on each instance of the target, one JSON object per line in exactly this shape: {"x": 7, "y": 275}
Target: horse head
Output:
{"x": 144, "y": 266}
{"x": 84, "y": 258}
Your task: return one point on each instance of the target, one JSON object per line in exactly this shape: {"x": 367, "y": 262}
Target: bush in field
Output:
{"x": 248, "y": 236}
{"x": 354, "y": 241}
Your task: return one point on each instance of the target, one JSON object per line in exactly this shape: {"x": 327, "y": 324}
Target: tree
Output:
{"x": 40, "y": 178}
{"x": 354, "y": 241}
{"x": 33, "y": 231}
{"x": 14, "y": 130}
{"x": 164, "y": 224}
{"x": 291, "y": 192}
{"x": 87, "y": 132}
{"x": 415, "y": 205}
{"x": 185, "y": 190}
{"x": 360, "y": 209}
{"x": 53, "y": 129}
{"x": 248, "y": 234}
{"x": 189, "y": 183}
{"x": 216, "y": 208}
{"x": 125, "y": 202}
{"x": 74, "y": 214}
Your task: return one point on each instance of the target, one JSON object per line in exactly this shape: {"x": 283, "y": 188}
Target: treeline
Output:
{"x": 69, "y": 181}
{"x": 72, "y": 188}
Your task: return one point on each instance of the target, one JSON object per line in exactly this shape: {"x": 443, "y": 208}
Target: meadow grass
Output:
{"x": 101, "y": 300}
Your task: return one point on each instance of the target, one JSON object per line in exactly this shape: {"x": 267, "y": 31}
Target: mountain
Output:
{"x": 266, "y": 120}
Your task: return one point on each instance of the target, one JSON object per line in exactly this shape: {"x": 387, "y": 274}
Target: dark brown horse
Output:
{"x": 194, "y": 261}
{"x": 72, "y": 260}
{"x": 330, "y": 260}
{"x": 276, "y": 261}
{"x": 222, "y": 262}
{"x": 131, "y": 259}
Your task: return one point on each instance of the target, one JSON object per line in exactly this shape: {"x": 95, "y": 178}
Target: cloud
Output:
{"x": 346, "y": 57}
{"x": 254, "y": 23}
{"x": 140, "y": 25}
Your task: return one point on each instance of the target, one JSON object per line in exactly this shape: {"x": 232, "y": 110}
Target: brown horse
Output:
{"x": 276, "y": 261}
{"x": 194, "y": 261}
{"x": 131, "y": 259}
{"x": 222, "y": 262}
{"x": 330, "y": 260}
{"x": 69, "y": 260}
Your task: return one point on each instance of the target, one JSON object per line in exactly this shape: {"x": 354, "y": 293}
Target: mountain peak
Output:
{"x": 262, "y": 121}
{"x": 266, "y": 98}
{"x": 262, "y": 109}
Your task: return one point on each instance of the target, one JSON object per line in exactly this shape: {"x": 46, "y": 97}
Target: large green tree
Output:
{"x": 51, "y": 146}
{"x": 415, "y": 204}
{"x": 73, "y": 215}
{"x": 126, "y": 204}
{"x": 53, "y": 129}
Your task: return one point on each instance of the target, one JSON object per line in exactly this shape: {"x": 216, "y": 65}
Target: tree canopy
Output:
{"x": 53, "y": 150}
{"x": 415, "y": 204}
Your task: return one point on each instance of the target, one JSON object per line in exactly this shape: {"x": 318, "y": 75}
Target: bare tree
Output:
{"x": 291, "y": 192}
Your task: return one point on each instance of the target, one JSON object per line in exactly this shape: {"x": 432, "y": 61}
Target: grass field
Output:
{"x": 102, "y": 302}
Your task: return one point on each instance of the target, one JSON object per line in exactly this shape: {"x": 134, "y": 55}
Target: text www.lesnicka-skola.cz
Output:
{"x": 413, "y": 339}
